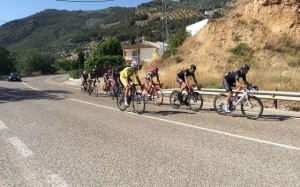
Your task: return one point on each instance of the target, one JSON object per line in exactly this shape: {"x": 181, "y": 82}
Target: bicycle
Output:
{"x": 156, "y": 95}
{"x": 251, "y": 106}
{"x": 84, "y": 87}
{"x": 193, "y": 100}
{"x": 135, "y": 99}
{"x": 116, "y": 90}
{"x": 93, "y": 87}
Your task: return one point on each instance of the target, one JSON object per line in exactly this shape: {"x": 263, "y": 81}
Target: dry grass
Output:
{"x": 210, "y": 75}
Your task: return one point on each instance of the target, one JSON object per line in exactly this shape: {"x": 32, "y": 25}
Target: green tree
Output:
{"x": 111, "y": 46}
{"x": 81, "y": 59}
{"x": 36, "y": 62}
{"x": 177, "y": 39}
{"x": 6, "y": 62}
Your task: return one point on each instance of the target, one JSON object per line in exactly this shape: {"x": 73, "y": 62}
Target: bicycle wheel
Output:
{"x": 158, "y": 97}
{"x": 195, "y": 102}
{"x": 90, "y": 89}
{"x": 252, "y": 108}
{"x": 83, "y": 89}
{"x": 220, "y": 104}
{"x": 121, "y": 102}
{"x": 138, "y": 103}
{"x": 174, "y": 100}
{"x": 96, "y": 91}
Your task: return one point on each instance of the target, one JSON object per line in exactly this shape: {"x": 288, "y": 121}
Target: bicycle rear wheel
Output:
{"x": 158, "y": 97}
{"x": 174, "y": 100}
{"x": 220, "y": 104}
{"x": 252, "y": 108}
{"x": 96, "y": 91}
{"x": 138, "y": 103}
{"x": 195, "y": 102}
{"x": 121, "y": 102}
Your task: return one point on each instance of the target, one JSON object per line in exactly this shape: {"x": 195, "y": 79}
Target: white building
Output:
{"x": 196, "y": 27}
{"x": 148, "y": 51}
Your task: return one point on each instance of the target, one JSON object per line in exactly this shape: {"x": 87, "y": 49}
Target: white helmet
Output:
{"x": 84, "y": 72}
{"x": 134, "y": 65}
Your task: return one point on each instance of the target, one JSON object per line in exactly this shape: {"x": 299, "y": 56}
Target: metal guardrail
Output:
{"x": 263, "y": 94}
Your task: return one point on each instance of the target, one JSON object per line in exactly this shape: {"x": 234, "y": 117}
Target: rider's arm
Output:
{"x": 246, "y": 82}
{"x": 195, "y": 80}
{"x": 157, "y": 77}
{"x": 186, "y": 81}
{"x": 138, "y": 80}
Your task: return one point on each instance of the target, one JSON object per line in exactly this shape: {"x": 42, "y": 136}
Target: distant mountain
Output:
{"x": 62, "y": 32}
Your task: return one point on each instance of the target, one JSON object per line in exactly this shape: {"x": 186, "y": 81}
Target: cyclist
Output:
{"x": 116, "y": 77}
{"x": 125, "y": 75}
{"x": 231, "y": 79}
{"x": 107, "y": 79}
{"x": 84, "y": 77}
{"x": 149, "y": 80}
{"x": 92, "y": 77}
{"x": 182, "y": 76}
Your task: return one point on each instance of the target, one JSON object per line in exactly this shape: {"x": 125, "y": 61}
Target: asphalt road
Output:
{"x": 52, "y": 135}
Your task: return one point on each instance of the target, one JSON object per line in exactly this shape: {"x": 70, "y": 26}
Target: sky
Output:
{"x": 17, "y": 9}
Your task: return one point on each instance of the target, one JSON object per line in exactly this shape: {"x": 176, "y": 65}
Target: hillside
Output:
{"x": 62, "y": 32}
{"x": 265, "y": 34}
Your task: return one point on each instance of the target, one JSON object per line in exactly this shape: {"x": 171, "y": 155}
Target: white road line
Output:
{"x": 2, "y": 125}
{"x": 30, "y": 86}
{"x": 55, "y": 181}
{"x": 199, "y": 128}
{"x": 20, "y": 146}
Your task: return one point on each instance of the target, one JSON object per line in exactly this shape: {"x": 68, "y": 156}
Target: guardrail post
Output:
{"x": 275, "y": 104}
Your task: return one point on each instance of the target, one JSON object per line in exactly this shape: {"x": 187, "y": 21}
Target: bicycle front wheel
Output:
{"x": 174, "y": 100}
{"x": 220, "y": 104}
{"x": 158, "y": 97}
{"x": 121, "y": 102}
{"x": 83, "y": 89}
{"x": 195, "y": 102}
{"x": 138, "y": 103}
{"x": 252, "y": 108}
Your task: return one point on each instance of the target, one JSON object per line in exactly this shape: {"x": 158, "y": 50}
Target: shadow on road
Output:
{"x": 165, "y": 112}
{"x": 278, "y": 117}
{"x": 15, "y": 95}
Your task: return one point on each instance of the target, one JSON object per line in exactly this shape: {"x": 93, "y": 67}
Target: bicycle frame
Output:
{"x": 245, "y": 96}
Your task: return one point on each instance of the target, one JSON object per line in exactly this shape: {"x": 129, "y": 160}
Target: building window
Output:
{"x": 134, "y": 53}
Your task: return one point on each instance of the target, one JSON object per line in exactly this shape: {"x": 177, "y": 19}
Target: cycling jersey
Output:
{"x": 107, "y": 76}
{"x": 150, "y": 75}
{"x": 231, "y": 78}
{"x": 127, "y": 73}
{"x": 234, "y": 76}
{"x": 182, "y": 73}
{"x": 85, "y": 77}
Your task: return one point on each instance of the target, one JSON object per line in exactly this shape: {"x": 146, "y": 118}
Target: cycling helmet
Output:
{"x": 155, "y": 69}
{"x": 134, "y": 65}
{"x": 192, "y": 66}
{"x": 84, "y": 72}
{"x": 245, "y": 68}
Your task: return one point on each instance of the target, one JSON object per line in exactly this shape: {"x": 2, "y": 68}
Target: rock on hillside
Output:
{"x": 280, "y": 16}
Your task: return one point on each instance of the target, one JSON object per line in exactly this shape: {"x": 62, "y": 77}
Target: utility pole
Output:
{"x": 165, "y": 29}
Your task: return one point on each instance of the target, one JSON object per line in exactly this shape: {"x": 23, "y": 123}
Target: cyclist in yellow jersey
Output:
{"x": 125, "y": 75}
